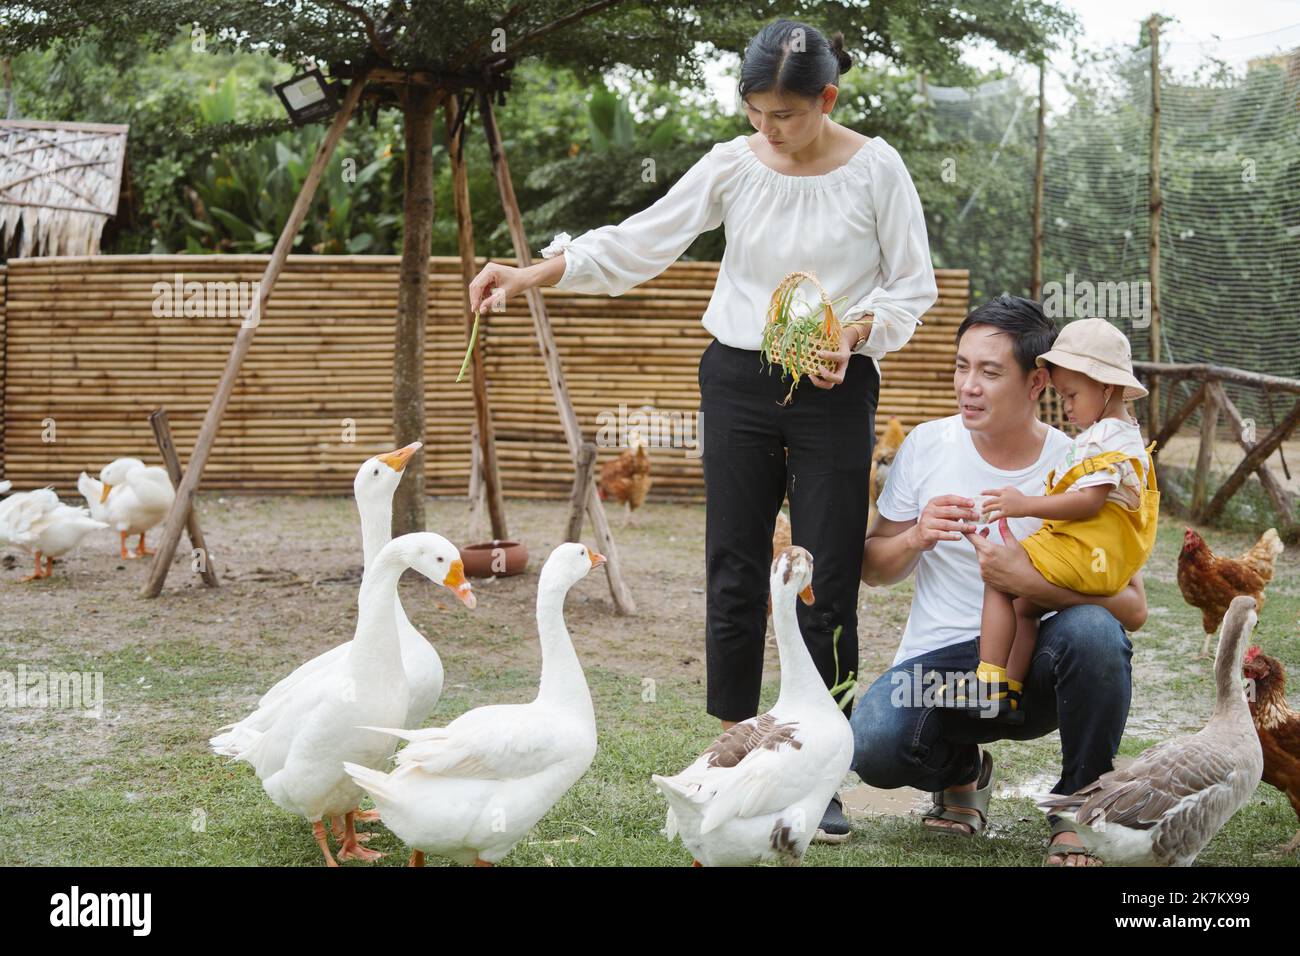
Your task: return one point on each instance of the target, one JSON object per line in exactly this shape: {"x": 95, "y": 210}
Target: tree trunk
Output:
{"x": 413, "y": 305}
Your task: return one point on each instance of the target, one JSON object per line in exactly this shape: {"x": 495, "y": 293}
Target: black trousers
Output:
{"x": 828, "y": 434}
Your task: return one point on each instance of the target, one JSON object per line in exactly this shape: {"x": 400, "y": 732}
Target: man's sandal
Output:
{"x": 1063, "y": 851}
{"x": 969, "y": 807}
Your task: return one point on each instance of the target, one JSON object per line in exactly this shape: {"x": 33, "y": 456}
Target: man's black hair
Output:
{"x": 1032, "y": 332}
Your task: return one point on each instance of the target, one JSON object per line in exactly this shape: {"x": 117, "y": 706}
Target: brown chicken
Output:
{"x": 882, "y": 456}
{"x": 780, "y": 541}
{"x": 627, "y": 477}
{"x": 1209, "y": 582}
{"x": 1278, "y": 727}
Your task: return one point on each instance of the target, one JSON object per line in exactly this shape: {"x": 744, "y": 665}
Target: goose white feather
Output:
{"x": 471, "y": 790}
{"x": 1165, "y": 806}
{"x": 130, "y": 497}
{"x": 373, "y": 487}
{"x": 42, "y": 525}
{"x": 300, "y": 757}
{"x": 759, "y": 792}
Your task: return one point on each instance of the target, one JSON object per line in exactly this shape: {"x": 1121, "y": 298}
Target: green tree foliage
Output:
{"x": 576, "y": 163}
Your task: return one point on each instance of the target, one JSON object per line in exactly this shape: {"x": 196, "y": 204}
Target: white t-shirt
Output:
{"x": 939, "y": 458}
{"x": 1109, "y": 434}
{"x": 859, "y": 228}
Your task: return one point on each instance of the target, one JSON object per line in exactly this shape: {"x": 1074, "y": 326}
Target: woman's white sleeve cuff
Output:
{"x": 562, "y": 244}
{"x": 557, "y": 245}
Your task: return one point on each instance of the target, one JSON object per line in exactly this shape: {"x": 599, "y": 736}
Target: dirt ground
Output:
{"x": 290, "y": 568}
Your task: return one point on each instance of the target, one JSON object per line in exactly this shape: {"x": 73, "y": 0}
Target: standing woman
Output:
{"x": 803, "y": 193}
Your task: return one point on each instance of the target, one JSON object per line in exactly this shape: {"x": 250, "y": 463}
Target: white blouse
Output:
{"x": 859, "y": 228}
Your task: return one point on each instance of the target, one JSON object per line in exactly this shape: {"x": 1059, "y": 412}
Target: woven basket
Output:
{"x": 793, "y": 341}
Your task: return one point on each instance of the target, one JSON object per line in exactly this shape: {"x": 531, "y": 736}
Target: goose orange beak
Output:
{"x": 806, "y": 595}
{"x": 397, "y": 460}
{"x": 455, "y": 580}
{"x": 104, "y": 494}
{"x": 597, "y": 559}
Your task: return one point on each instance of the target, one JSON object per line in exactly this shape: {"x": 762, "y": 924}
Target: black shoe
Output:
{"x": 834, "y": 827}
{"x": 1015, "y": 716}
{"x": 1010, "y": 709}
{"x": 967, "y": 693}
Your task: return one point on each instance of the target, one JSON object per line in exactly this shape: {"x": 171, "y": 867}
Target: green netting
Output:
{"x": 1230, "y": 177}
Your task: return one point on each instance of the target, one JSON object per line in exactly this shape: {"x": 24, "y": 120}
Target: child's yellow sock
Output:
{"x": 993, "y": 675}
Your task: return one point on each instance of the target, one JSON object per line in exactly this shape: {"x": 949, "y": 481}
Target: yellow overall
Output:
{"x": 1097, "y": 555}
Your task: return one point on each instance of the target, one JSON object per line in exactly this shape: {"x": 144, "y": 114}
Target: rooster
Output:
{"x": 627, "y": 477}
{"x": 1278, "y": 727}
{"x": 1209, "y": 582}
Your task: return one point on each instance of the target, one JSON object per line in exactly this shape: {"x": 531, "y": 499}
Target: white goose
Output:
{"x": 300, "y": 757}
{"x": 130, "y": 497}
{"x": 38, "y": 522}
{"x": 1164, "y": 807}
{"x": 758, "y": 793}
{"x": 373, "y": 488}
{"x": 473, "y": 789}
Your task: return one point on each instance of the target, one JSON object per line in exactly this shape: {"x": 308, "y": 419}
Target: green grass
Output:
{"x": 138, "y": 787}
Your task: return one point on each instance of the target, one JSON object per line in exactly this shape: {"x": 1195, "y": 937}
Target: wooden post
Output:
{"x": 162, "y": 434}
{"x": 1172, "y": 425}
{"x": 1277, "y": 493}
{"x": 1254, "y": 458}
{"x": 176, "y": 518}
{"x": 550, "y": 355}
{"x": 486, "y": 458}
{"x": 413, "y": 301}
{"x": 1153, "y": 209}
{"x": 581, "y": 488}
{"x": 1209, "y": 421}
{"x": 1036, "y": 251}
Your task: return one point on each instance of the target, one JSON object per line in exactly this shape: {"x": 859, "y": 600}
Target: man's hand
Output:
{"x": 944, "y": 518}
{"x": 1005, "y": 502}
{"x": 1005, "y": 567}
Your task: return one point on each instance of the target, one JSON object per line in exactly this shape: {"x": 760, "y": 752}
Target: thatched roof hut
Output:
{"x": 59, "y": 183}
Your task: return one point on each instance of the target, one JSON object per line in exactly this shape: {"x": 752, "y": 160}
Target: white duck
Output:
{"x": 131, "y": 497}
{"x": 758, "y": 793}
{"x": 1164, "y": 807}
{"x": 300, "y": 757}
{"x": 473, "y": 789}
{"x": 373, "y": 488}
{"x": 38, "y": 522}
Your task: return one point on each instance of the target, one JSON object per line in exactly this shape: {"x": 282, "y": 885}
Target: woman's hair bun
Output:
{"x": 837, "y": 47}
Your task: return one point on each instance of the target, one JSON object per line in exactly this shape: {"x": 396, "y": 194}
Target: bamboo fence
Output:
{"x": 84, "y": 354}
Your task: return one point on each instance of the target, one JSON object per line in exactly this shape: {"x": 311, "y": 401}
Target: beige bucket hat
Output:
{"x": 1098, "y": 350}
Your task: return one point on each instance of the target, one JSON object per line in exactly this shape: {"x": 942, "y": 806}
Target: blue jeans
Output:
{"x": 1080, "y": 682}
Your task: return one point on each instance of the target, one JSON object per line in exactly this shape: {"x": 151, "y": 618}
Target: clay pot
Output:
{"x": 509, "y": 557}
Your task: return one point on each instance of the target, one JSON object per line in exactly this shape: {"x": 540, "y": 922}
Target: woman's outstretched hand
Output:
{"x": 837, "y": 362}
{"x": 495, "y": 284}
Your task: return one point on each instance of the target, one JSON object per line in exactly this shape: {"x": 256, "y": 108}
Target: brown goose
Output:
{"x": 1168, "y": 803}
